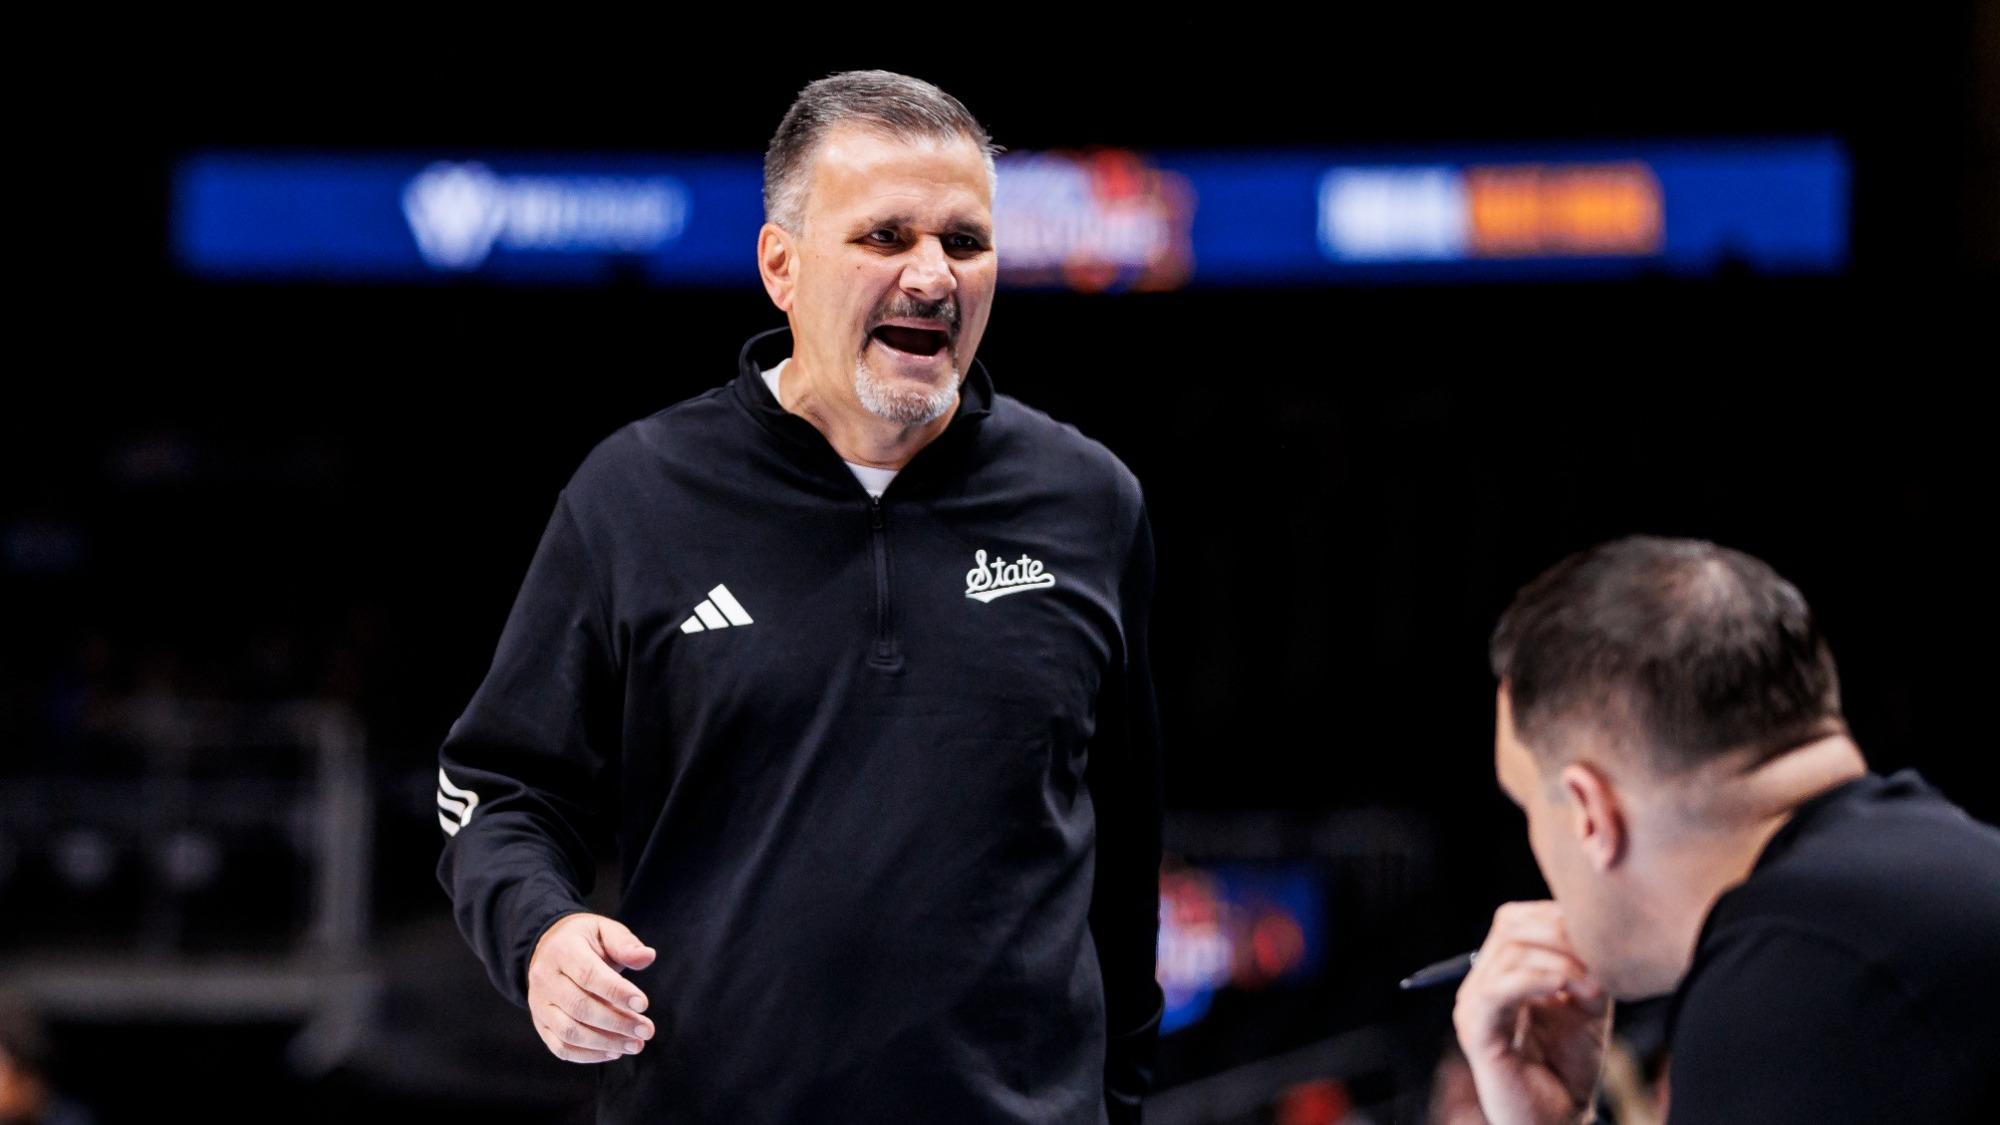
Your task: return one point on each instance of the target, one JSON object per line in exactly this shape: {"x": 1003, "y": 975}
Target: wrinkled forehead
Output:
{"x": 856, "y": 171}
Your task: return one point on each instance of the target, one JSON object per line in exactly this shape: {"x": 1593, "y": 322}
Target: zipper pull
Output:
{"x": 875, "y": 512}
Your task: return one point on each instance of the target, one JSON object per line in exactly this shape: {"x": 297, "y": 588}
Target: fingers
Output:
{"x": 1531, "y": 1018}
{"x": 593, "y": 1012}
{"x": 1527, "y": 972}
{"x": 622, "y": 946}
{"x": 584, "y": 1010}
{"x": 1527, "y": 933}
{"x": 1530, "y": 923}
{"x": 587, "y": 969}
{"x": 564, "y": 1031}
{"x": 1493, "y": 1003}
{"x": 579, "y": 1027}
{"x": 1526, "y": 961}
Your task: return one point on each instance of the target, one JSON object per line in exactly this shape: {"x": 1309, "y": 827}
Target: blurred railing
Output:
{"x": 195, "y": 861}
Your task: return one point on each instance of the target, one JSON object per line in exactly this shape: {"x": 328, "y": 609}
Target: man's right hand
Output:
{"x": 583, "y": 1009}
{"x": 1533, "y": 1021}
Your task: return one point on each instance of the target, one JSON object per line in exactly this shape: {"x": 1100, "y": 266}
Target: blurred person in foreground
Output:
{"x": 1668, "y": 718}
{"x": 27, "y": 1095}
{"x": 848, "y": 658}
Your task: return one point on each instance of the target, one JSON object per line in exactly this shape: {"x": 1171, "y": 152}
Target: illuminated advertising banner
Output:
{"x": 1769, "y": 207}
{"x": 1238, "y": 926}
{"x": 1091, "y": 220}
{"x": 527, "y": 220}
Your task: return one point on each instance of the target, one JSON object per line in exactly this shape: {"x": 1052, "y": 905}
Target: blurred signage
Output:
{"x": 458, "y": 212}
{"x": 248, "y": 216}
{"x": 1491, "y": 211}
{"x": 1108, "y": 219}
{"x": 1239, "y": 926}
{"x": 1091, "y": 220}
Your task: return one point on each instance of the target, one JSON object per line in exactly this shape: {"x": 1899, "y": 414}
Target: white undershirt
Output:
{"x": 873, "y": 479}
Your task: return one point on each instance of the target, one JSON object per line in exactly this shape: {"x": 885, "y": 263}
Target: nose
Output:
{"x": 927, "y": 273}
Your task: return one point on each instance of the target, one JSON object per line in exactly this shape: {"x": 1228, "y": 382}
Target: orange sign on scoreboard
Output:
{"x": 1520, "y": 210}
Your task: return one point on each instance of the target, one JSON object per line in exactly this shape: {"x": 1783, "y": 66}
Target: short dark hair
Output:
{"x": 893, "y": 104}
{"x": 1683, "y": 649}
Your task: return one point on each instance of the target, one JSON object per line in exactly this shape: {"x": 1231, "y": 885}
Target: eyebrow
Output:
{"x": 956, "y": 226}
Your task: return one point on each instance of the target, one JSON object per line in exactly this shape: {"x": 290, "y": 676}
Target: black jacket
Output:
{"x": 882, "y": 777}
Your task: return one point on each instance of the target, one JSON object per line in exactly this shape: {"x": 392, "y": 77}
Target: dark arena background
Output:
{"x": 1383, "y": 329}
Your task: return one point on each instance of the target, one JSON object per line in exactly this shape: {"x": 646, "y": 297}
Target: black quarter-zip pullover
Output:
{"x": 882, "y": 777}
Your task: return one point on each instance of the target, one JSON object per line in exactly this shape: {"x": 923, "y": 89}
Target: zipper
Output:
{"x": 884, "y": 653}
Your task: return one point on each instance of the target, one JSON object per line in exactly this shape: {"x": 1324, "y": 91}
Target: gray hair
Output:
{"x": 894, "y": 105}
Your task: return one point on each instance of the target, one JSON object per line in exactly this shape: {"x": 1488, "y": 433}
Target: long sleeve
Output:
{"x": 523, "y": 772}
{"x": 1123, "y": 774}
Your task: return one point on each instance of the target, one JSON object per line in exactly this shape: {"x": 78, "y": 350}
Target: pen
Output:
{"x": 1443, "y": 972}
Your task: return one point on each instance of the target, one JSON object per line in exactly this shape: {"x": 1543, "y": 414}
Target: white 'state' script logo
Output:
{"x": 989, "y": 580}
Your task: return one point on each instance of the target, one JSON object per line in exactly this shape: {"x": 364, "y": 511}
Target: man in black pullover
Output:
{"x": 847, "y": 660}
{"x": 1669, "y": 720}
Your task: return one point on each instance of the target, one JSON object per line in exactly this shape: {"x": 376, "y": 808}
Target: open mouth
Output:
{"x": 911, "y": 341}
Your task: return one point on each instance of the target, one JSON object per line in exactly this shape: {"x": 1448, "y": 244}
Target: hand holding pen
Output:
{"x": 1531, "y": 1018}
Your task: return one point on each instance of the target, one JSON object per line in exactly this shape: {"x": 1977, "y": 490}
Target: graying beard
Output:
{"x": 905, "y": 408}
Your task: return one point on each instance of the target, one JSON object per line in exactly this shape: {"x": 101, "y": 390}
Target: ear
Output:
{"x": 777, "y": 264}
{"x": 1596, "y": 817}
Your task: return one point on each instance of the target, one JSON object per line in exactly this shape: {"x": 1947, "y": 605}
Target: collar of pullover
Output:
{"x": 768, "y": 348}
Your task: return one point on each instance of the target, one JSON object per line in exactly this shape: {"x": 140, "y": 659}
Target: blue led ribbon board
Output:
{"x": 1095, "y": 220}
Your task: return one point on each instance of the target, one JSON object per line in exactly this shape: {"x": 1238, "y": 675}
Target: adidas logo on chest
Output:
{"x": 720, "y": 610}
